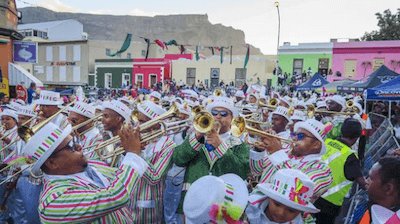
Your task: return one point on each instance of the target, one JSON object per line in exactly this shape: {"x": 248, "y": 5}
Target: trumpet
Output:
{"x": 240, "y": 126}
{"x": 272, "y": 104}
{"x": 218, "y": 92}
{"x": 203, "y": 122}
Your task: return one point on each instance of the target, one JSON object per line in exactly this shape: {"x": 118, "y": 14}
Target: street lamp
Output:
{"x": 279, "y": 33}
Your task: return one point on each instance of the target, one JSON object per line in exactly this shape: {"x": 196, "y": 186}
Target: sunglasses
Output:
{"x": 71, "y": 146}
{"x": 223, "y": 113}
{"x": 300, "y": 136}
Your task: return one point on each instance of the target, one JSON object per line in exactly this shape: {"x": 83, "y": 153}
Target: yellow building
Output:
{"x": 210, "y": 71}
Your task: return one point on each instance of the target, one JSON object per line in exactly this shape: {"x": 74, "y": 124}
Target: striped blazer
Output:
{"x": 73, "y": 200}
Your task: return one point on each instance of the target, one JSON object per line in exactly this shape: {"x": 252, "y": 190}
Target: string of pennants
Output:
{"x": 182, "y": 47}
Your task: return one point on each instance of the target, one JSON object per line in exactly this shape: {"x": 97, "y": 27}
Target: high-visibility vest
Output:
{"x": 336, "y": 156}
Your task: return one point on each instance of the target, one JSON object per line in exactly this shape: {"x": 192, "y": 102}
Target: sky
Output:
{"x": 301, "y": 20}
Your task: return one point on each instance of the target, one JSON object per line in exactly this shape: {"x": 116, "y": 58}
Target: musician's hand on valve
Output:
{"x": 213, "y": 138}
{"x": 130, "y": 139}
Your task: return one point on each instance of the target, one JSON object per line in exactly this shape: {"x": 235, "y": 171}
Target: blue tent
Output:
{"x": 315, "y": 82}
{"x": 386, "y": 91}
{"x": 382, "y": 75}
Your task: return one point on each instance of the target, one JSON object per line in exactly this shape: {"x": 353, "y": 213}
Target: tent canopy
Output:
{"x": 382, "y": 75}
{"x": 315, "y": 82}
{"x": 332, "y": 87}
{"x": 386, "y": 91}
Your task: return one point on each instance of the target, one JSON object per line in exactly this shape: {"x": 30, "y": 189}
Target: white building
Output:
{"x": 61, "y": 30}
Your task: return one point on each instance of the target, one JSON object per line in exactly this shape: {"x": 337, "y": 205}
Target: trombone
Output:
{"x": 25, "y": 133}
{"x": 95, "y": 118}
{"x": 240, "y": 126}
{"x": 173, "y": 111}
{"x": 272, "y": 104}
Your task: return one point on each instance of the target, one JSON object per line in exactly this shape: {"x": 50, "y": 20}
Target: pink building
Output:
{"x": 147, "y": 72}
{"x": 356, "y": 60}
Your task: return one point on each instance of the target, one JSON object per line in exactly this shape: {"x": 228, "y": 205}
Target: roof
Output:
{"x": 364, "y": 44}
{"x": 45, "y": 25}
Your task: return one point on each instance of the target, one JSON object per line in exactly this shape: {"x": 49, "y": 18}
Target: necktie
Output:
{"x": 93, "y": 176}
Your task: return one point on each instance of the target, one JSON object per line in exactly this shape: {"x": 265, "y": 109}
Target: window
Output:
{"x": 139, "y": 80}
{"x": 49, "y": 53}
{"x": 108, "y": 51}
{"x": 77, "y": 53}
{"x": 240, "y": 76}
{"x": 129, "y": 55}
{"x": 143, "y": 53}
{"x": 349, "y": 68}
{"x": 76, "y": 73}
{"x": 297, "y": 66}
{"x": 126, "y": 79}
{"x": 63, "y": 53}
{"x": 35, "y": 33}
{"x": 153, "y": 80}
{"x": 49, "y": 73}
{"x": 63, "y": 73}
{"x": 378, "y": 62}
{"x": 107, "y": 80}
{"x": 190, "y": 76}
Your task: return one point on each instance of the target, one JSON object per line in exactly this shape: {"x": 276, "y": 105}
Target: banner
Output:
{"x": 25, "y": 52}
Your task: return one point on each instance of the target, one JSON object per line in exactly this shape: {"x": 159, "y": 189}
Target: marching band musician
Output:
{"x": 239, "y": 98}
{"x": 89, "y": 135}
{"x": 49, "y": 103}
{"x": 147, "y": 199}
{"x": 115, "y": 113}
{"x": 227, "y": 155}
{"x": 9, "y": 120}
{"x": 280, "y": 120}
{"x": 79, "y": 191}
{"x": 305, "y": 155}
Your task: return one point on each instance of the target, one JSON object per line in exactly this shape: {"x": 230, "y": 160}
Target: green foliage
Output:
{"x": 389, "y": 27}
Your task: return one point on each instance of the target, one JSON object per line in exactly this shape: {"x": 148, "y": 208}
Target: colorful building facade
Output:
{"x": 120, "y": 73}
{"x": 356, "y": 60}
{"x": 305, "y": 57}
{"x": 8, "y": 33}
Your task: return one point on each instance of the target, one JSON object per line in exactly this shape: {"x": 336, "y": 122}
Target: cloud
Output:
{"x": 56, "y": 5}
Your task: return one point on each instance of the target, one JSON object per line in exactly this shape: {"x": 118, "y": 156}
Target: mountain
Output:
{"x": 185, "y": 29}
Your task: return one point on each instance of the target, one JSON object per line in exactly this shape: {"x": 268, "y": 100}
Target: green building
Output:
{"x": 112, "y": 73}
{"x": 305, "y": 57}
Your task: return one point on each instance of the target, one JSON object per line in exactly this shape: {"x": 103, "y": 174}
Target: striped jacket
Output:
{"x": 72, "y": 199}
{"x": 147, "y": 199}
{"x": 267, "y": 165}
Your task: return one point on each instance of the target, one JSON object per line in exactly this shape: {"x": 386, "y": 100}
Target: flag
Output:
{"x": 124, "y": 46}
{"x": 246, "y": 59}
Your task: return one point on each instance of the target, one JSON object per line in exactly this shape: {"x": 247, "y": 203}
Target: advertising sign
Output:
{"x": 25, "y": 52}
{"x": 22, "y": 93}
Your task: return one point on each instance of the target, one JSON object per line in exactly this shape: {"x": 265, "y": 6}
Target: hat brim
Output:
{"x": 36, "y": 166}
{"x": 313, "y": 132}
{"x": 214, "y": 104}
{"x": 72, "y": 109}
{"x": 267, "y": 190}
{"x": 47, "y": 102}
{"x": 287, "y": 118}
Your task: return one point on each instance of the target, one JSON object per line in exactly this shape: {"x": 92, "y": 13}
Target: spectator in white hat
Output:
{"x": 305, "y": 154}
{"x": 224, "y": 202}
{"x": 283, "y": 199}
{"x": 49, "y": 103}
{"x": 89, "y": 134}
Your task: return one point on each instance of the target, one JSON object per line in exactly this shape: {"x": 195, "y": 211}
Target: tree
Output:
{"x": 389, "y": 27}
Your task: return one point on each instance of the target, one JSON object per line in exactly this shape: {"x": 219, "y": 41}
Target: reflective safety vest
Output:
{"x": 336, "y": 156}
